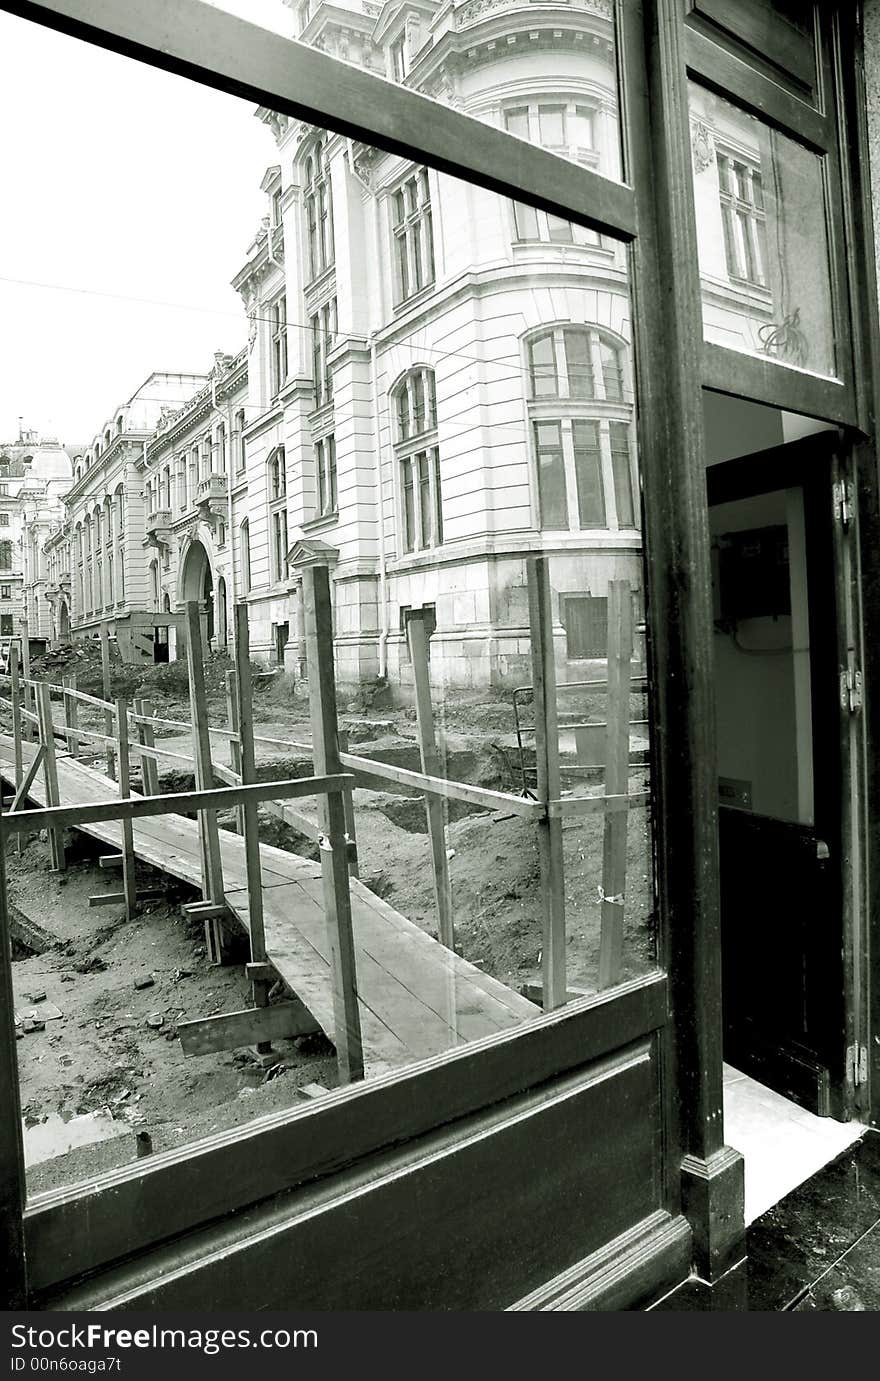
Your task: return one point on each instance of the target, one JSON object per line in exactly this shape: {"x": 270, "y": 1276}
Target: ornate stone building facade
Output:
{"x": 446, "y": 375}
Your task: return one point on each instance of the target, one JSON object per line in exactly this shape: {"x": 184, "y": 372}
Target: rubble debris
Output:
{"x": 146, "y": 982}
{"x": 37, "y": 997}
{"x": 156, "y": 1020}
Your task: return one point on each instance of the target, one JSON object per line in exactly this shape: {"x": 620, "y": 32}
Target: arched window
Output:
{"x": 277, "y": 474}
{"x": 119, "y": 424}
{"x": 240, "y": 446}
{"x": 319, "y": 213}
{"x": 154, "y": 584}
{"x": 414, "y": 404}
{"x": 583, "y": 454}
{"x": 120, "y": 510}
{"x": 245, "y": 533}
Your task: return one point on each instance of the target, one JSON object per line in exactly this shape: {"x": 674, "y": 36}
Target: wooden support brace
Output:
{"x": 106, "y": 687}
{"x": 242, "y": 702}
{"x": 206, "y": 911}
{"x": 143, "y": 710}
{"x": 234, "y": 743}
{"x": 334, "y": 859}
{"x": 252, "y": 1026}
{"x": 28, "y": 780}
{"x": 548, "y": 781}
{"x": 212, "y": 864}
{"x": 260, "y": 972}
{"x": 110, "y": 861}
{"x": 613, "y": 892}
{"x": 348, "y": 803}
{"x": 71, "y": 714}
{"x": 118, "y": 898}
{"x": 431, "y": 764}
{"x": 50, "y": 771}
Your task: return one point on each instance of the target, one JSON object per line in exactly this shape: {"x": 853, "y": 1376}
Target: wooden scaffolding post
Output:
{"x": 431, "y": 765}
{"x": 243, "y": 703}
{"x": 232, "y": 721}
{"x": 12, "y": 1167}
{"x": 129, "y": 881}
{"x": 106, "y": 693}
{"x": 70, "y": 715}
{"x": 212, "y": 865}
{"x": 613, "y": 889}
{"x": 15, "y": 697}
{"x": 348, "y": 803}
{"x": 29, "y": 695}
{"x": 50, "y": 770}
{"x": 548, "y": 781}
{"x": 147, "y": 739}
{"x": 331, "y": 816}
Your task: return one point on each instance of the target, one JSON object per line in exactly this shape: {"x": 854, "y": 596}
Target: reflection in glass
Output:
{"x": 763, "y": 247}
{"x": 429, "y": 387}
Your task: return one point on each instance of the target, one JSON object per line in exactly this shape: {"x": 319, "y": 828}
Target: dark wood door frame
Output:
{"x": 821, "y": 465}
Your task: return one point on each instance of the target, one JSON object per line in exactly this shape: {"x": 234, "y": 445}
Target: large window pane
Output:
{"x": 762, "y": 237}
{"x": 424, "y": 405}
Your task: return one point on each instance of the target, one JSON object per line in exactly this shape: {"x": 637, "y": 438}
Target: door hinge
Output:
{"x": 857, "y": 1065}
{"x": 844, "y": 496}
{"x": 851, "y": 687}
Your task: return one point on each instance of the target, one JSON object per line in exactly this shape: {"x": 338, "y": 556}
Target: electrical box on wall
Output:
{"x": 753, "y": 575}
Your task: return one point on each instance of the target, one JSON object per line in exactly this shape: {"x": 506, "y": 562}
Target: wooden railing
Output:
{"x": 129, "y": 732}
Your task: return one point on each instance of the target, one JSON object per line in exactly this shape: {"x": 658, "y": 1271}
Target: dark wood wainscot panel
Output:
{"x": 510, "y": 1204}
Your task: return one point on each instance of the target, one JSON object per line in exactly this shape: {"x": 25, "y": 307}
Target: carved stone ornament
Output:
{"x": 702, "y": 147}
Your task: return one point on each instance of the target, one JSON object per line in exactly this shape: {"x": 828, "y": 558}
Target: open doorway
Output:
{"x": 786, "y": 911}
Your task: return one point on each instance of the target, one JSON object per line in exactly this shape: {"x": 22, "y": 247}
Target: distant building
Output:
{"x": 105, "y": 526}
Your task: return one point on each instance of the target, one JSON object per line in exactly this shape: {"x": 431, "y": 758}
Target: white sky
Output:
{"x": 116, "y": 179}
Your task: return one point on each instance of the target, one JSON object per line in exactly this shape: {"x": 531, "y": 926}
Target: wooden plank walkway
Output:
{"x": 416, "y": 997}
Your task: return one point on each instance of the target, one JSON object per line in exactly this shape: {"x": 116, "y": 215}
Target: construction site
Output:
{"x": 358, "y": 890}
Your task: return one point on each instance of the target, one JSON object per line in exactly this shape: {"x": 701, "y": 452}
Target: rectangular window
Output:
{"x": 323, "y": 325}
{"x": 579, "y": 365}
{"x": 612, "y": 372}
{"x": 325, "y": 457}
{"x": 4, "y": 520}
{"x": 422, "y": 500}
{"x": 279, "y": 544}
{"x": 5, "y": 625}
{"x": 552, "y": 494}
{"x": 622, "y": 470}
{"x": 585, "y": 618}
{"x": 5, "y": 556}
{"x": 5, "y": 592}
{"x": 413, "y": 234}
{"x": 278, "y": 316}
{"x": 588, "y": 473}
{"x": 542, "y": 367}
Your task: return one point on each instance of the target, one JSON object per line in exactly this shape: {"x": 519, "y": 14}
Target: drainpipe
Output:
{"x": 226, "y": 419}
{"x": 383, "y": 572}
{"x": 374, "y": 378}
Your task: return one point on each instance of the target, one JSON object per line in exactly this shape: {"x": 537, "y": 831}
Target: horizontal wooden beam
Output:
{"x": 118, "y": 898}
{"x": 594, "y": 805}
{"x": 442, "y": 786}
{"x": 208, "y": 45}
{"x": 139, "y": 807}
{"x": 228, "y": 1030}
